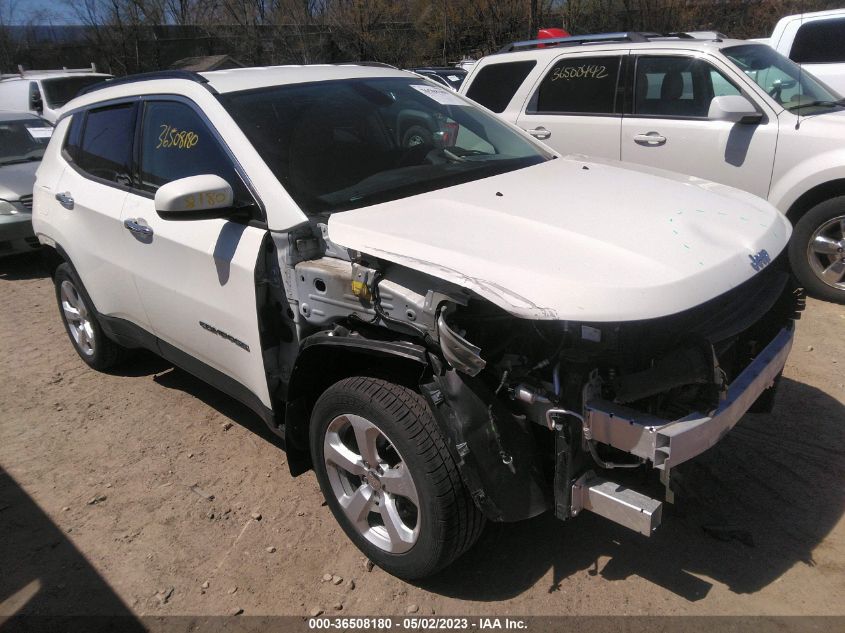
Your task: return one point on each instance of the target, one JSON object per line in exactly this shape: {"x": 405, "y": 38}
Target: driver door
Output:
{"x": 196, "y": 278}
{"x": 669, "y": 126}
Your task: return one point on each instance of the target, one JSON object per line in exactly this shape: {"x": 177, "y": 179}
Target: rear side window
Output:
{"x": 105, "y": 150}
{"x": 579, "y": 85}
{"x": 73, "y": 142}
{"x": 819, "y": 42}
{"x": 495, "y": 85}
{"x": 176, "y": 143}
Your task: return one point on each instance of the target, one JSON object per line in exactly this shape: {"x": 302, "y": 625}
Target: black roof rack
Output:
{"x": 596, "y": 38}
{"x": 151, "y": 76}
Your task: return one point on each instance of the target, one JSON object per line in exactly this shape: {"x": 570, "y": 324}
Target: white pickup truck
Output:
{"x": 816, "y": 41}
{"x": 425, "y": 326}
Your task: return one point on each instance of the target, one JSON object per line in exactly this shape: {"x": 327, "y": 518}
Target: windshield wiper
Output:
{"x": 817, "y": 103}
{"x": 17, "y": 161}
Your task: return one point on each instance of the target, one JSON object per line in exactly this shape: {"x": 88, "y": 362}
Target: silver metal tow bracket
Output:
{"x": 616, "y": 502}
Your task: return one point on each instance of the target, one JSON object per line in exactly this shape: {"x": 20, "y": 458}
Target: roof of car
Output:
{"x": 548, "y": 51}
{"x": 16, "y": 116}
{"x": 248, "y": 78}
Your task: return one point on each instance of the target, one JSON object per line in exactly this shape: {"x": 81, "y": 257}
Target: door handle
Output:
{"x": 65, "y": 199}
{"x": 651, "y": 138}
{"x": 540, "y": 133}
{"x": 139, "y": 229}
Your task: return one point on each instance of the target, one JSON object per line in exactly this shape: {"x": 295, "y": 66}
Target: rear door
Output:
{"x": 576, "y": 105}
{"x": 669, "y": 127}
{"x": 88, "y": 202}
{"x": 196, "y": 278}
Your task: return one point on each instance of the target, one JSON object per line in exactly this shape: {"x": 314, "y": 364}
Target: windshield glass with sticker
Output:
{"x": 341, "y": 145}
{"x": 23, "y": 140}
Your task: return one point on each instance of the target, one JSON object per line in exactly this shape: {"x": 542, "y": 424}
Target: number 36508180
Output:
{"x": 173, "y": 137}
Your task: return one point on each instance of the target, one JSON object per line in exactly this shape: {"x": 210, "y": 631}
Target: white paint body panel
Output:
{"x": 200, "y": 270}
{"x": 564, "y": 242}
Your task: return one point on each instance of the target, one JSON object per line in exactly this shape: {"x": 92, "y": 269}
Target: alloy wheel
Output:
{"x": 78, "y": 318}
{"x": 826, "y": 252}
{"x": 372, "y": 483}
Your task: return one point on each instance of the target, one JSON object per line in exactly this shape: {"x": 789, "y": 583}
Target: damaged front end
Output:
{"x": 537, "y": 413}
{"x": 541, "y": 411}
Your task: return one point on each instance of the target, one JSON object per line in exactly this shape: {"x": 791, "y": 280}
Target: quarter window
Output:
{"x": 678, "y": 87}
{"x": 495, "y": 85}
{"x": 579, "y": 85}
{"x": 176, "y": 143}
{"x": 106, "y": 148}
{"x": 819, "y": 42}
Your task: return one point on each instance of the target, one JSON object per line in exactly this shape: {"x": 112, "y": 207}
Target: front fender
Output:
{"x": 325, "y": 358}
{"x": 804, "y": 176}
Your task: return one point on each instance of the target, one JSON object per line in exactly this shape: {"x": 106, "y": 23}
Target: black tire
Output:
{"x": 417, "y": 135}
{"x": 448, "y": 520}
{"x": 103, "y": 353}
{"x": 807, "y": 264}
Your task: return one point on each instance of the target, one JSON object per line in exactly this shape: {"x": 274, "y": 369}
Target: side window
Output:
{"x": 495, "y": 85}
{"x": 819, "y": 42}
{"x": 722, "y": 87}
{"x": 579, "y": 85}
{"x": 106, "y": 147}
{"x": 176, "y": 143}
{"x": 677, "y": 87}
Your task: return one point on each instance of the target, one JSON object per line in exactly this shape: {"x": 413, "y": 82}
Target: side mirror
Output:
{"x": 195, "y": 198}
{"x": 734, "y": 109}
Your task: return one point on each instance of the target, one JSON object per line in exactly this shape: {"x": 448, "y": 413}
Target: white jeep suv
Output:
{"x": 426, "y": 327}
{"x": 729, "y": 111}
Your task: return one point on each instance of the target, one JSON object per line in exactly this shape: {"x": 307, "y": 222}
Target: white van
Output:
{"x": 44, "y": 92}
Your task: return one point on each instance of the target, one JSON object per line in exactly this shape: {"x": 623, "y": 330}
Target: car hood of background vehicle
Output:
{"x": 17, "y": 180}
{"x": 575, "y": 239}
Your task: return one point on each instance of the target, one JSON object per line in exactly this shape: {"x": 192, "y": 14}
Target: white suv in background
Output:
{"x": 418, "y": 323}
{"x": 729, "y": 111}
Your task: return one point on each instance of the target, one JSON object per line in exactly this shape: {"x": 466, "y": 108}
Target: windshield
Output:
{"x": 23, "y": 140}
{"x": 61, "y": 90}
{"x": 793, "y": 88}
{"x": 338, "y": 145}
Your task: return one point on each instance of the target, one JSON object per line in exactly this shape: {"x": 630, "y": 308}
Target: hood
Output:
{"x": 576, "y": 239}
{"x": 17, "y": 180}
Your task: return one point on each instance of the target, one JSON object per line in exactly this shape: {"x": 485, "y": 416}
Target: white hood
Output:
{"x": 575, "y": 239}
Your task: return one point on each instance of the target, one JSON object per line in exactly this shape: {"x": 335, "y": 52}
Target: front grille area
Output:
{"x": 26, "y": 201}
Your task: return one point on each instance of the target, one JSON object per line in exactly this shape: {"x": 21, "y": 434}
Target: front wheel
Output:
{"x": 389, "y": 479}
{"x": 817, "y": 250}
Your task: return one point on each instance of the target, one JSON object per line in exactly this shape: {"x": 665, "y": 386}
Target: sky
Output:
{"x": 50, "y": 11}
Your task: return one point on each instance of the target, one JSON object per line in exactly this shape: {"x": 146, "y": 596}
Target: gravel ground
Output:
{"x": 146, "y": 492}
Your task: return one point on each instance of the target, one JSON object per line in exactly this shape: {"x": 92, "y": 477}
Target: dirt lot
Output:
{"x": 98, "y": 515}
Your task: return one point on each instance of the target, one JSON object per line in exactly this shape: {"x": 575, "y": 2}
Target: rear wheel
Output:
{"x": 80, "y": 320}
{"x": 389, "y": 479}
{"x": 817, "y": 250}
